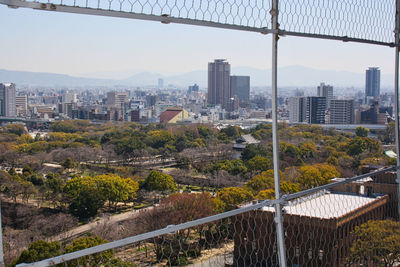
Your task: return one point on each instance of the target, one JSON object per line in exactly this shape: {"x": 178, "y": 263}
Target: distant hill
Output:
{"x": 293, "y": 76}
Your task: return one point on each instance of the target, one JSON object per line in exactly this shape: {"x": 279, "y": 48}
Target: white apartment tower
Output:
{"x": 7, "y": 100}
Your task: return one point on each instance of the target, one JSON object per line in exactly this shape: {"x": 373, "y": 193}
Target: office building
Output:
{"x": 341, "y": 111}
{"x": 7, "y": 100}
{"x": 325, "y": 90}
{"x": 240, "y": 87}
{"x": 21, "y": 103}
{"x": 219, "y": 90}
{"x": 193, "y": 88}
{"x": 117, "y": 99}
{"x": 372, "y": 82}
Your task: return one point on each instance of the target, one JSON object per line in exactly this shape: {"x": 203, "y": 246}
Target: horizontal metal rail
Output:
{"x": 337, "y": 38}
{"x": 183, "y": 226}
{"x": 165, "y": 18}
{"x": 129, "y": 15}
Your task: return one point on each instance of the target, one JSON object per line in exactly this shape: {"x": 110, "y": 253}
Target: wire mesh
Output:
{"x": 218, "y": 243}
{"x": 362, "y": 19}
{"x": 351, "y": 20}
{"x": 253, "y": 14}
{"x": 322, "y": 227}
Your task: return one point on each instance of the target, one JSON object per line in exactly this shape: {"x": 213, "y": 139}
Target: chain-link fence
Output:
{"x": 322, "y": 226}
{"x": 320, "y": 230}
{"x": 351, "y": 20}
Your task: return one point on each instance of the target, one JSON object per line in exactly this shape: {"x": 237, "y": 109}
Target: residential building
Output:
{"x": 325, "y": 90}
{"x": 296, "y": 109}
{"x": 341, "y": 111}
{"x": 173, "y": 115}
{"x": 219, "y": 90}
{"x": 240, "y": 86}
{"x": 372, "y": 82}
{"x": 310, "y": 109}
{"x": 315, "y": 109}
{"x": 7, "y": 100}
{"x": 21, "y": 103}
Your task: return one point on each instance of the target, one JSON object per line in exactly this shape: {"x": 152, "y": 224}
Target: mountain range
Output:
{"x": 290, "y": 76}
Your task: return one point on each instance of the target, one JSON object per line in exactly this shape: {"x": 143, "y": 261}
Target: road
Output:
{"x": 89, "y": 226}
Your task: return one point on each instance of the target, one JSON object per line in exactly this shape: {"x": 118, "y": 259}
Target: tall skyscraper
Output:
{"x": 240, "y": 86}
{"x": 372, "y": 82}
{"x": 219, "y": 90}
{"x": 341, "y": 111}
{"x": 8, "y": 106}
{"x": 325, "y": 90}
{"x": 160, "y": 83}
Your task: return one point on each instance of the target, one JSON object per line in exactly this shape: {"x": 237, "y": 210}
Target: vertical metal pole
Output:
{"x": 275, "y": 147}
{"x": 396, "y": 102}
{"x": 1, "y": 242}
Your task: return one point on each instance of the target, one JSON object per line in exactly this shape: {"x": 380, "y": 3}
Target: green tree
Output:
{"x": 159, "y": 138}
{"x": 157, "y": 181}
{"x": 229, "y": 197}
{"x": 377, "y": 243}
{"x": 262, "y": 181}
{"x": 97, "y": 259}
{"x": 258, "y": 164}
{"x": 361, "y": 131}
{"x": 253, "y": 150}
{"x": 17, "y": 129}
{"x": 39, "y": 250}
{"x": 116, "y": 189}
{"x": 68, "y": 163}
{"x": 234, "y": 166}
{"x": 86, "y": 196}
{"x": 316, "y": 175}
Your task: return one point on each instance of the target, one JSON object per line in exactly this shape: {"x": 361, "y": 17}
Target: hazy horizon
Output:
{"x": 74, "y": 44}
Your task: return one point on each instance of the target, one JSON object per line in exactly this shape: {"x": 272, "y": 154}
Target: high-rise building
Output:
{"x": 310, "y": 109}
{"x": 21, "y": 103}
{"x": 341, "y": 111}
{"x": 325, "y": 90}
{"x": 7, "y": 100}
{"x": 372, "y": 82}
{"x": 316, "y": 109}
{"x": 193, "y": 88}
{"x": 160, "y": 83}
{"x": 297, "y": 109}
{"x": 219, "y": 90}
{"x": 68, "y": 97}
{"x": 240, "y": 86}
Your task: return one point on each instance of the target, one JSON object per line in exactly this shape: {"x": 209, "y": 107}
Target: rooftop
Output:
{"x": 326, "y": 205}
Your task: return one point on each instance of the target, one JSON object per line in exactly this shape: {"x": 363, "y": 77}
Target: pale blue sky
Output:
{"x": 74, "y": 44}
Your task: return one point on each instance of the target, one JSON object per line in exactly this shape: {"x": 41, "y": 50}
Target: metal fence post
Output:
{"x": 396, "y": 101}
{"x": 275, "y": 145}
{"x": 1, "y": 242}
